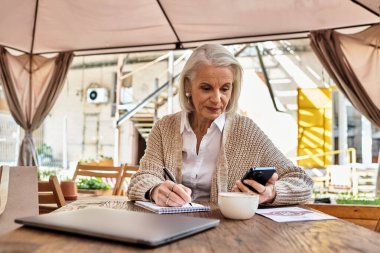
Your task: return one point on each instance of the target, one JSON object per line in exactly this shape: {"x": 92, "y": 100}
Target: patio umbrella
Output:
{"x": 88, "y": 27}
{"x": 98, "y": 26}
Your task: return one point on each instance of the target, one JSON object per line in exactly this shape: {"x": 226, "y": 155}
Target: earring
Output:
{"x": 187, "y": 94}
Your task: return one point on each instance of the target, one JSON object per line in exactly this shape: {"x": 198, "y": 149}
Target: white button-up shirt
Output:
{"x": 198, "y": 169}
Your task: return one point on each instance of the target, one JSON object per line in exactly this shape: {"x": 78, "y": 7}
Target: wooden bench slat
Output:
{"x": 349, "y": 211}
{"x": 44, "y": 186}
{"x": 46, "y": 198}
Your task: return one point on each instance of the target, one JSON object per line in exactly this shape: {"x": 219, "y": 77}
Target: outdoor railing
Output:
{"x": 351, "y": 155}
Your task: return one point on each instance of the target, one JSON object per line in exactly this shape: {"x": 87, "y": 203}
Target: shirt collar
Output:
{"x": 185, "y": 124}
{"x": 219, "y": 121}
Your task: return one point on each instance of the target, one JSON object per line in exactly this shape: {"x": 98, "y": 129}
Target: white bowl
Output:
{"x": 238, "y": 205}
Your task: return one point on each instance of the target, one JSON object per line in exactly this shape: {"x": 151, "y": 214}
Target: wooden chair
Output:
{"x": 367, "y": 216}
{"x": 377, "y": 228}
{"x": 128, "y": 172}
{"x": 102, "y": 172}
{"x": 50, "y": 195}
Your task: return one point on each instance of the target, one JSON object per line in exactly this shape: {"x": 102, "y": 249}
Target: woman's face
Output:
{"x": 211, "y": 89}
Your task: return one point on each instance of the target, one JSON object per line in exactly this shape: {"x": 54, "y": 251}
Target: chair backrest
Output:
{"x": 49, "y": 192}
{"x": 340, "y": 177}
{"x": 128, "y": 172}
{"x": 100, "y": 171}
{"x": 377, "y": 228}
{"x": 363, "y": 215}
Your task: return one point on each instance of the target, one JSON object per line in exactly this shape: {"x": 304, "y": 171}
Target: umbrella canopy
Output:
{"x": 98, "y": 26}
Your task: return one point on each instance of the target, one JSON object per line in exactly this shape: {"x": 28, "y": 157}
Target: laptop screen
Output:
{"x": 120, "y": 225}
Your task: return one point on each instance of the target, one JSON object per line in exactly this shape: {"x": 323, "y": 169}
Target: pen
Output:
{"x": 171, "y": 178}
{"x": 169, "y": 175}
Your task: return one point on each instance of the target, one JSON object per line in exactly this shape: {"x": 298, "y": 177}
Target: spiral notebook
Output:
{"x": 162, "y": 209}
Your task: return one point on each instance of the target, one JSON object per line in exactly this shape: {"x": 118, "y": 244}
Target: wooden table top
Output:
{"x": 258, "y": 234}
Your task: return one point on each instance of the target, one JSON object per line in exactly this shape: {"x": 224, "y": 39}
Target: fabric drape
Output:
{"x": 353, "y": 62}
{"x": 32, "y": 84}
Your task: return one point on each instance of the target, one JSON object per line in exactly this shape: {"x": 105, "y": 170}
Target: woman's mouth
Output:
{"x": 213, "y": 109}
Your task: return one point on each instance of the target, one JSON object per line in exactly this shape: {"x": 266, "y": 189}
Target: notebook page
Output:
{"x": 183, "y": 209}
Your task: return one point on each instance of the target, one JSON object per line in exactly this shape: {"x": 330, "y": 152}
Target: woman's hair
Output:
{"x": 217, "y": 56}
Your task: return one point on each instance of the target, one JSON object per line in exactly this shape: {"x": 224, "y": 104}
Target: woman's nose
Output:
{"x": 215, "y": 97}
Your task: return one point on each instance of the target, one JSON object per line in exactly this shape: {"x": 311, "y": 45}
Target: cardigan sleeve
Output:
{"x": 293, "y": 185}
{"x": 151, "y": 164}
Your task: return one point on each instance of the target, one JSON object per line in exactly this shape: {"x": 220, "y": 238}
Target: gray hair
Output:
{"x": 217, "y": 56}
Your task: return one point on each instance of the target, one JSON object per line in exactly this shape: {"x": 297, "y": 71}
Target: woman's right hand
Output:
{"x": 171, "y": 194}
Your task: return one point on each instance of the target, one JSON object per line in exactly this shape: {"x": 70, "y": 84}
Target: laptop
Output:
{"x": 119, "y": 225}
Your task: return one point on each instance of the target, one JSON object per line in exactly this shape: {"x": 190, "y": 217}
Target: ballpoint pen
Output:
{"x": 171, "y": 178}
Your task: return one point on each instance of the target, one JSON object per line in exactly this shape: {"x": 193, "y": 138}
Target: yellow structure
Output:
{"x": 314, "y": 126}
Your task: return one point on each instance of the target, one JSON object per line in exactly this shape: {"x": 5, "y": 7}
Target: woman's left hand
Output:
{"x": 267, "y": 193}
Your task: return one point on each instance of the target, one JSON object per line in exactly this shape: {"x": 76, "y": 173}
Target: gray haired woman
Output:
{"x": 208, "y": 147}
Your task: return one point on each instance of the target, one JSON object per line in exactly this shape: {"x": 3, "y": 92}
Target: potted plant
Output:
{"x": 102, "y": 161}
{"x": 69, "y": 189}
{"x": 105, "y": 161}
{"x": 88, "y": 161}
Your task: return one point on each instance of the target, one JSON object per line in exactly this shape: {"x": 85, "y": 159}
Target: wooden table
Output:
{"x": 258, "y": 234}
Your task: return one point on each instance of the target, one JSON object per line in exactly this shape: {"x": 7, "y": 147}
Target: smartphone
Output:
{"x": 259, "y": 174}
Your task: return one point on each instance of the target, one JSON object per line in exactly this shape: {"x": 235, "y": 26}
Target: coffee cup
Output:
{"x": 238, "y": 205}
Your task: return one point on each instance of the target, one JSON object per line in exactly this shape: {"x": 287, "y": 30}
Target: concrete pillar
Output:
{"x": 64, "y": 143}
{"x": 366, "y": 141}
{"x": 119, "y": 74}
{"x": 170, "y": 86}
{"x": 342, "y": 128}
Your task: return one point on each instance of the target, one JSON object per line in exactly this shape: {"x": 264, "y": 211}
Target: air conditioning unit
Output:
{"x": 97, "y": 95}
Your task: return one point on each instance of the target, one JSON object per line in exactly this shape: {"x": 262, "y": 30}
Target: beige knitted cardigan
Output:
{"x": 244, "y": 146}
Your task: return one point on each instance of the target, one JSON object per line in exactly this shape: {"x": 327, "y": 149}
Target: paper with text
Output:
{"x": 289, "y": 214}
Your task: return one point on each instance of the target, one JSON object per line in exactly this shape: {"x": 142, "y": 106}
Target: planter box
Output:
{"x": 96, "y": 192}
{"x": 99, "y": 163}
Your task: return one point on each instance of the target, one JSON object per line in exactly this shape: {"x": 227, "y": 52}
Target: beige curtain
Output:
{"x": 32, "y": 84}
{"x": 353, "y": 62}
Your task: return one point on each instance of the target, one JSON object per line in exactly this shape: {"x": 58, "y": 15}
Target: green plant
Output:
{"x": 359, "y": 201}
{"x": 44, "y": 154}
{"x": 92, "y": 183}
{"x": 44, "y": 149}
{"x": 103, "y": 157}
{"x": 45, "y": 174}
{"x": 89, "y": 160}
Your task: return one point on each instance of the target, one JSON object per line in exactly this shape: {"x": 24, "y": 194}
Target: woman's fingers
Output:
{"x": 273, "y": 179}
{"x": 170, "y": 199}
{"x": 171, "y": 194}
{"x": 162, "y": 197}
{"x": 242, "y": 187}
{"x": 257, "y": 186}
{"x": 182, "y": 193}
{"x": 187, "y": 190}
{"x": 235, "y": 188}
{"x": 266, "y": 193}
{"x": 174, "y": 193}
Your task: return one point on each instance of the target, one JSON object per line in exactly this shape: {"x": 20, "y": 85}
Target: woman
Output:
{"x": 208, "y": 147}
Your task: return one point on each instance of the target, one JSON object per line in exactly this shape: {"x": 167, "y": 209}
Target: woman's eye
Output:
{"x": 205, "y": 88}
{"x": 225, "y": 89}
